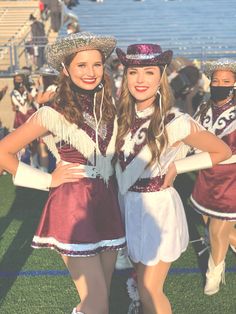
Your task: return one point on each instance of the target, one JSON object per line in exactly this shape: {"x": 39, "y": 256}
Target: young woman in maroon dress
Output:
{"x": 81, "y": 219}
{"x": 215, "y": 188}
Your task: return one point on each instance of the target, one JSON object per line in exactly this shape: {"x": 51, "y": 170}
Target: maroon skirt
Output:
{"x": 81, "y": 219}
{"x": 214, "y": 192}
{"x": 21, "y": 118}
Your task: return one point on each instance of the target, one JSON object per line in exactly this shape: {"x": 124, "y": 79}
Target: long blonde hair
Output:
{"x": 126, "y": 116}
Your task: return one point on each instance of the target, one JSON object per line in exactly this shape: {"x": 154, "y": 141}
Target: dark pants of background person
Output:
{"x": 55, "y": 21}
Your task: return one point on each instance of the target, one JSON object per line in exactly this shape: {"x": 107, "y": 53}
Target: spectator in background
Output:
{"x": 71, "y": 3}
{"x": 214, "y": 191}
{"x": 23, "y": 106}
{"x": 55, "y": 8}
{"x": 46, "y": 85}
{"x": 72, "y": 28}
{"x": 22, "y": 100}
{"x": 39, "y": 40}
{"x": 117, "y": 73}
{"x": 184, "y": 78}
{"x": 43, "y": 8}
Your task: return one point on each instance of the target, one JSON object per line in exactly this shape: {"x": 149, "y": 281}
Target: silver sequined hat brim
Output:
{"x": 63, "y": 47}
{"x": 47, "y": 70}
{"x": 210, "y": 67}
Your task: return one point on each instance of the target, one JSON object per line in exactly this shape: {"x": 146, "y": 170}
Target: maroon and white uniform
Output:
{"x": 156, "y": 227}
{"x": 81, "y": 218}
{"x": 24, "y": 108}
{"x": 215, "y": 189}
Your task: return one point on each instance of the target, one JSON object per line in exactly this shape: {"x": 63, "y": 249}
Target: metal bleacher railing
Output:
{"x": 16, "y": 46}
{"x": 14, "y": 31}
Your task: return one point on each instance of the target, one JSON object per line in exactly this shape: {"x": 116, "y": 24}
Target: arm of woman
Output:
{"x": 43, "y": 97}
{"x": 15, "y": 141}
{"x": 210, "y": 143}
{"x": 25, "y": 175}
{"x": 214, "y": 151}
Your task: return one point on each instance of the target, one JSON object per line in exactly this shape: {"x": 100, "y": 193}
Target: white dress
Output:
{"x": 155, "y": 221}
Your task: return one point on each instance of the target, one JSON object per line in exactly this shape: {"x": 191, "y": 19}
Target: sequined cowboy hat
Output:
{"x": 221, "y": 64}
{"x": 47, "y": 70}
{"x": 56, "y": 52}
{"x": 144, "y": 54}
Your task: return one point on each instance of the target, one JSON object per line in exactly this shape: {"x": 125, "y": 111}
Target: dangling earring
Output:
{"x": 100, "y": 85}
{"x": 161, "y": 114}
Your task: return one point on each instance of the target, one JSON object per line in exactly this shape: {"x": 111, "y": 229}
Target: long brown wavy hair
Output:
{"x": 68, "y": 102}
{"x": 126, "y": 116}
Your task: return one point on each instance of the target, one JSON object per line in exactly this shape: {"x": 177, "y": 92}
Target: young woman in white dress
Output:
{"x": 152, "y": 142}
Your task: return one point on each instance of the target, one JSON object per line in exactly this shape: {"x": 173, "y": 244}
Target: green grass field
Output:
{"x": 36, "y": 281}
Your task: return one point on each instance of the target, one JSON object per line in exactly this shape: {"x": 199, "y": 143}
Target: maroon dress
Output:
{"x": 81, "y": 218}
{"x": 215, "y": 188}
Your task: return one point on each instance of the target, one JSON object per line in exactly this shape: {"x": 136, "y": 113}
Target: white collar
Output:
{"x": 145, "y": 112}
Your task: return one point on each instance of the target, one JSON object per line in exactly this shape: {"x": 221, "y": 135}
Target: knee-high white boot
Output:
{"x": 214, "y": 275}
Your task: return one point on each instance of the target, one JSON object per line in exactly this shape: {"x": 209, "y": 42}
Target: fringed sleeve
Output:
{"x": 61, "y": 130}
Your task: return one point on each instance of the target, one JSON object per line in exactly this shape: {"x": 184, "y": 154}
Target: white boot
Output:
{"x": 233, "y": 248}
{"x": 214, "y": 275}
{"x": 75, "y": 311}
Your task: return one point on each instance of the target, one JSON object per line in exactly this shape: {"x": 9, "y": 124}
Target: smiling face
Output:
{"x": 86, "y": 69}
{"x": 143, "y": 83}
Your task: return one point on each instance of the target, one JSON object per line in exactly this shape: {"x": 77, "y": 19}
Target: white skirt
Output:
{"x": 156, "y": 226}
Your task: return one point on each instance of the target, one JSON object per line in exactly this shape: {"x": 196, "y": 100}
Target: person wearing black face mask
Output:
{"x": 220, "y": 93}
{"x": 22, "y": 101}
{"x": 214, "y": 191}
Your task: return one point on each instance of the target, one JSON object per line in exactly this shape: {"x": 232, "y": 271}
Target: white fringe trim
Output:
{"x": 78, "y": 138}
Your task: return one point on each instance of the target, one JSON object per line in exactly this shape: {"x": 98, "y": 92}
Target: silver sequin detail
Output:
{"x": 220, "y": 64}
{"x": 143, "y": 57}
{"x": 90, "y": 121}
{"x": 57, "y": 51}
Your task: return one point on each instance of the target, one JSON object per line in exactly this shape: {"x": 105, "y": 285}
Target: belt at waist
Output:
{"x": 87, "y": 171}
{"x": 148, "y": 184}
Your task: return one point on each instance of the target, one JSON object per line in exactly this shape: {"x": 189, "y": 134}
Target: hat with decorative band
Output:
{"x": 144, "y": 55}
{"x": 63, "y": 47}
{"x": 47, "y": 70}
{"x": 225, "y": 64}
